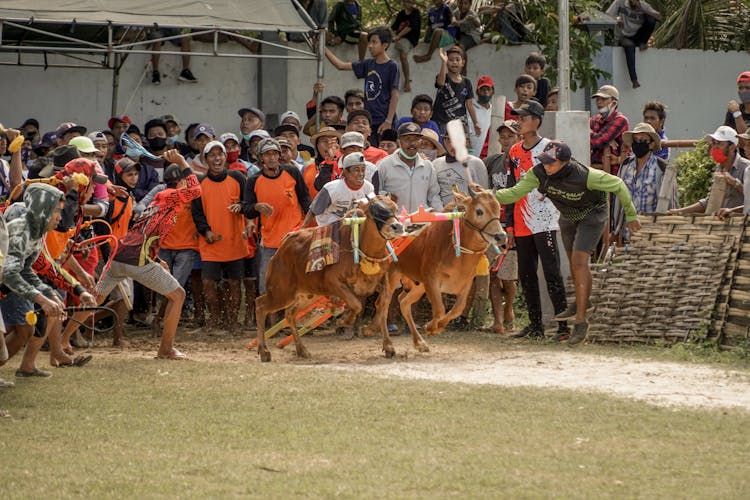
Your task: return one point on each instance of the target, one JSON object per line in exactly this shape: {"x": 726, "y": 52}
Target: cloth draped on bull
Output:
{"x": 324, "y": 248}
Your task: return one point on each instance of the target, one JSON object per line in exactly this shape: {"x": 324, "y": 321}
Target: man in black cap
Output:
{"x": 534, "y": 228}
{"x": 30, "y": 129}
{"x": 580, "y": 194}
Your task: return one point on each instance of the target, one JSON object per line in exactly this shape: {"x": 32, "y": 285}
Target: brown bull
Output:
{"x": 289, "y": 286}
{"x": 430, "y": 261}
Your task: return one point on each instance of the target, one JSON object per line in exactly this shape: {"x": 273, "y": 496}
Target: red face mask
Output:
{"x": 719, "y": 155}
{"x": 232, "y": 156}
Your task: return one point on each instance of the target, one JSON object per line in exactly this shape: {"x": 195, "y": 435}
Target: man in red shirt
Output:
{"x": 218, "y": 219}
{"x": 278, "y": 195}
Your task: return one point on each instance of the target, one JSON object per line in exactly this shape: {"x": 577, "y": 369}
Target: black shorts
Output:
{"x": 584, "y": 235}
{"x": 251, "y": 267}
{"x": 231, "y": 270}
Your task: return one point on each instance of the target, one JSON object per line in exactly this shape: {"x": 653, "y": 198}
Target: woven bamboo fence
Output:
{"x": 681, "y": 278}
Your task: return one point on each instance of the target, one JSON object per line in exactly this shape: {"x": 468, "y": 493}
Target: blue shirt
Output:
{"x": 430, "y": 124}
{"x": 380, "y": 80}
{"x": 663, "y": 153}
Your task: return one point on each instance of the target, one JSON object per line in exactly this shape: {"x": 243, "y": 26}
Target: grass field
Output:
{"x": 142, "y": 428}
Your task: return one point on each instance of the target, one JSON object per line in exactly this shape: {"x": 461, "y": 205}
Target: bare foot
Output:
{"x": 120, "y": 342}
{"x": 57, "y": 362}
{"x": 407, "y": 86}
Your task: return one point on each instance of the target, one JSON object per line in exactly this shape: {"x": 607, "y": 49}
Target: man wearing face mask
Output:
{"x": 738, "y": 113}
{"x": 156, "y": 140}
{"x": 607, "y": 127}
{"x": 407, "y": 175}
{"x": 730, "y": 168}
{"x": 483, "y": 110}
{"x": 643, "y": 173}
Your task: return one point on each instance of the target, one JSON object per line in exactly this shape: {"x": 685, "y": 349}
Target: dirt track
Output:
{"x": 472, "y": 358}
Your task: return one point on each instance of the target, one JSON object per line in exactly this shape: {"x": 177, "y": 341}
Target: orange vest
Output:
{"x": 216, "y": 198}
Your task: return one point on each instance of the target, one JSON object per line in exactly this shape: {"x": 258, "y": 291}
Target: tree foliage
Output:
{"x": 695, "y": 172}
{"x": 701, "y": 24}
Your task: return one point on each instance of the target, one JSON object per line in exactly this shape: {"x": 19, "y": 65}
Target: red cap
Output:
{"x": 744, "y": 77}
{"x": 120, "y": 118}
{"x": 86, "y": 167}
{"x": 485, "y": 81}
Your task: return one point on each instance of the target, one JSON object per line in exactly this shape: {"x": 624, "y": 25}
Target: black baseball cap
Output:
{"x": 285, "y": 127}
{"x": 172, "y": 173}
{"x": 409, "y": 128}
{"x": 555, "y": 150}
{"x": 530, "y": 107}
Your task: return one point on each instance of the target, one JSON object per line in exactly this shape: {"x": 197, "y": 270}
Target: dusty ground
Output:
{"x": 480, "y": 358}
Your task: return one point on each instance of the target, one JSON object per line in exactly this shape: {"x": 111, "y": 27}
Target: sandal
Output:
{"x": 77, "y": 361}
{"x": 174, "y": 355}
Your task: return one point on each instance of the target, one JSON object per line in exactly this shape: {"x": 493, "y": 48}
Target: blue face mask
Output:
{"x": 412, "y": 157}
{"x": 246, "y": 137}
{"x": 173, "y": 139}
{"x": 132, "y": 153}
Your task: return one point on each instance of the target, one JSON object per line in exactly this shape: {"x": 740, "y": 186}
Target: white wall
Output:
{"x": 695, "y": 85}
{"x": 84, "y": 95}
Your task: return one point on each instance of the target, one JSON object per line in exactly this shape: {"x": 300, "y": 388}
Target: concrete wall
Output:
{"x": 695, "y": 85}
{"x": 84, "y": 96}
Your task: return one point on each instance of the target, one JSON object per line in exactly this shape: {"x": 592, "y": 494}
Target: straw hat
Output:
{"x": 642, "y": 128}
{"x": 431, "y": 135}
{"x": 325, "y": 132}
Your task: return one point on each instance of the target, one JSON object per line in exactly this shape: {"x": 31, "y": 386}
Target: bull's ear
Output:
{"x": 461, "y": 199}
{"x": 392, "y": 197}
{"x": 362, "y": 204}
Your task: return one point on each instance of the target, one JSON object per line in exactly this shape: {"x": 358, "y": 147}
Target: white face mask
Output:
{"x": 429, "y": 154}
{"x": 604, "y": 111}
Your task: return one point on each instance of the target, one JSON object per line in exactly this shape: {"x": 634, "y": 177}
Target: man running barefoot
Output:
{"x": 137, "y": 254}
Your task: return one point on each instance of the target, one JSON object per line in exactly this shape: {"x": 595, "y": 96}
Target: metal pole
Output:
{"x": 321, "y": 55}
{"x": 115, "y": 84}
{"x": 563, "y": 55}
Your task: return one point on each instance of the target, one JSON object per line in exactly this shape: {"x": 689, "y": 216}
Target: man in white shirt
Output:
{"x": 339, "y": 196}
{"x": 483, "y": 110}
{"x": 636, "y": 20}
{"x": 452, "y": 173}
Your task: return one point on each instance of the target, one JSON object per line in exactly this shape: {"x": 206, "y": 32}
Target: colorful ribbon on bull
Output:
{"x": 421, "y": 216}
{"x": 355, "y": 222}
{"x": 33, "y": 316}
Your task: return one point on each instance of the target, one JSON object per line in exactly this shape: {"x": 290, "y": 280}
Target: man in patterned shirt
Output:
{"x": 137, "y": 254}
{"x": 607, "y": 127}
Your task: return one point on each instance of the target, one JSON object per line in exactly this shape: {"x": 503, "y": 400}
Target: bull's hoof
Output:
{"x": 265, "y": 354}
{"x": 390, "y": 352}
{"x": 302, "y": 351}
{"x": 422, "y": 347}
{"x": 348, "y": 333}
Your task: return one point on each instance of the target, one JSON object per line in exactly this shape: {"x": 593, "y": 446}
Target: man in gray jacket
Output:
{"x": 407, "y": 175}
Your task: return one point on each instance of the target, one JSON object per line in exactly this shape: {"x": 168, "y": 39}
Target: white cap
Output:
{"x": 223, "y": 138}
{"x": 352, "y": 139}
{"x": 724, "y": 134}
{"x": 289, "y": 114}
{"x": 353, "y": 159}
{"x": 213, "y": 144}
{"x": 260, "y": 133}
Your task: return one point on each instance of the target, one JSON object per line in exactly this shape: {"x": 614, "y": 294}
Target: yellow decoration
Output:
{"x": 483, "y": 267}
{"x": 15, "y": 146}
{"x": 31, "y": 318}
{"x": 368, "y": 267}
{"x": 81, "y": 179}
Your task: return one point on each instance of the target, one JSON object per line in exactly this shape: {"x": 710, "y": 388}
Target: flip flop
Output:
{"x": 6, "y": 383}
{"x": 77, "y": 361}
{"x": 174, "y": 355}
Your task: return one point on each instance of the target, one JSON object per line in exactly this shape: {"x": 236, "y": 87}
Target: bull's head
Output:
{"x": 482, "y": 213}
{"x": 382, "y": 210}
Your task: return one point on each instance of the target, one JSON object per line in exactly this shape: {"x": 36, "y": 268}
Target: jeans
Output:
{"x": 265, "y": 258}
{"x": 180, "y": 262}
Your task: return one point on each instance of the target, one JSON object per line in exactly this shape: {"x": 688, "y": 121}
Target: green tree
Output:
{"x": 695, "y": 172}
